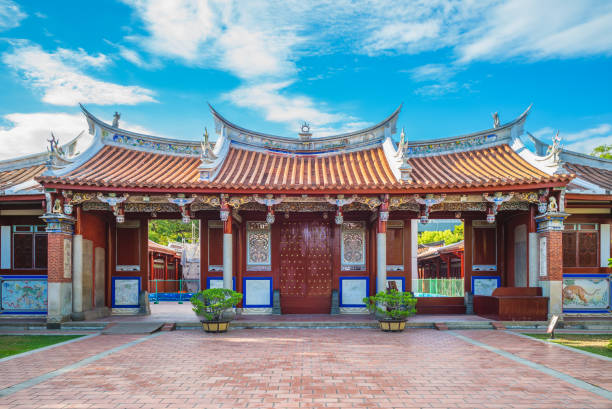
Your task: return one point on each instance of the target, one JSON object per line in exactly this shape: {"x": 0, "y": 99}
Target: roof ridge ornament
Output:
{"x": 496, "y": 123}
{"x": 207, "y": 156}
{"x": 305, "y": 134}
{"x": 116, "y": 118}
{"x": 554, "y": 150}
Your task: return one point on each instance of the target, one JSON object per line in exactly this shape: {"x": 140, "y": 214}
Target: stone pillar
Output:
{"x": 381, "y": 253}
{"x": 77, "y": 277}
{"x": 550, "y": 258}
{"x": 59, "y": 267}
{"x": 227, "y": 252}
{"x": 604, "y": 234}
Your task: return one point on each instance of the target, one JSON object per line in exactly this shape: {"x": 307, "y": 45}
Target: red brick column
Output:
{"x": 59, "y": 267}
{"x": 550, "y": 257}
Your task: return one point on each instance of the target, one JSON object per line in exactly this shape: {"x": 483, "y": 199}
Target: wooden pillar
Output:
{"x": 461, "y": 257}
{"x": 448, "y": 267}
{"x": 151, "y": 266}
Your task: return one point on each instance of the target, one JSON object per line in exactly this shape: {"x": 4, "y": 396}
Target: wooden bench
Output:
{"x": 513, "y": 304}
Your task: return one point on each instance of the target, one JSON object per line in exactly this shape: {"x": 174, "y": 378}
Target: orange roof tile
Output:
{"x": 245, "y": 169}
{"x": 10, "y": 178}
{"x": 598, "y": 176}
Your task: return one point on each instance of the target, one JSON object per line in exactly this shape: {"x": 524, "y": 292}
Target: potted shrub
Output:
{"x": 391, "y": 308}
{"x": 215, "y": 308}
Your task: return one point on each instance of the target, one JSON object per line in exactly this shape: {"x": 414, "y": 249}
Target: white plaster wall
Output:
{"x": 354, "y": 291}
{"x": 5, "y": 247}
{"x": 257, "y": 292}
{"x": 604, "y": 232}
{"x": 534, "y": 261}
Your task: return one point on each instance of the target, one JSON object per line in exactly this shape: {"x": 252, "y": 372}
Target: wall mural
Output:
{"x": 484, "y": 285}
{"x": 24, "y": 295}
{"x": 586, "y": 292}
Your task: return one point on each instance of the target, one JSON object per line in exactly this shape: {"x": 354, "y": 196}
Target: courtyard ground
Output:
{"x": 264, "y": 368}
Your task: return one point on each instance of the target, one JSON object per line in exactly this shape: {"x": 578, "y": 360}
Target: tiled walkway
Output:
{"x": 348, "y": 368}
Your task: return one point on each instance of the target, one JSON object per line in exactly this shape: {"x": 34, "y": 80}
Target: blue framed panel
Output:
{"x": 587, "y": 293}
{"x": 209, "y": 279}
{"x": 348, "y": 296}
{"x": 23, "y": 295}
{"x": 485, "y": 286}
{"x": 268, "y": 292}
{"x": 121, "y": 298}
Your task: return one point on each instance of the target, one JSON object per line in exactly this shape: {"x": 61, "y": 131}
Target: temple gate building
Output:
{"x": 303, "y": 224}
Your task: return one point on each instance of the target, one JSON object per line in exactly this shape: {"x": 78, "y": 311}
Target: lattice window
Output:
{"x": 353, "y": 246}
{"x": 29, "y": 247}
{"x": 258, "y": 246}
{"x": 581, "y": 245}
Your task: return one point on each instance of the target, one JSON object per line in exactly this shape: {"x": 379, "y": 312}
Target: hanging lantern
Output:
{"x": 120, "y": 215}
{"x": 225, "y": 211}
{"x": 339, "y": 217}
{"x": 542, "y": 206}
{"x": 67, "y": 208}
{"x": 490, "y": 215}
{"x": 424, "y": 214}
{"x": 270, "y": 216}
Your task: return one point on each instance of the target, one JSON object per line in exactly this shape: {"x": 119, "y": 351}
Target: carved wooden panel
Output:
{"x": 353, "y": 244}
{"x": 258, "y": 244}
{"x": 569, "y": 249}
{"x": 305, "y": 267}
{"x": 588, "y": 245}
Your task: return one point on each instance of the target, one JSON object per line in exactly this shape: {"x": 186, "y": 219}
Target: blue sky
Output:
{"x": 269, "y": 65}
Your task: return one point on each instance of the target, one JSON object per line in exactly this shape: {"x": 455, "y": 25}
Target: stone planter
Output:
{"x": 392, "y": 325}
{"x": 215, "y": 326}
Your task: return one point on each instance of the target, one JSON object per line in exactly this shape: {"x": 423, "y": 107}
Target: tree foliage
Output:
{"x": 165, "y": 231}
{"x": 603, "y": 151}
{"x": 448, "y": 236}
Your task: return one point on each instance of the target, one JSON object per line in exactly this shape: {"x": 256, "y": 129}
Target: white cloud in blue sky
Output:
{"x": 330, "y": 63}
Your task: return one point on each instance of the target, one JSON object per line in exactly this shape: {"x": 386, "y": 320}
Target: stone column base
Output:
{"x": 59, "y": 302}
{"x": 553, "y": 289}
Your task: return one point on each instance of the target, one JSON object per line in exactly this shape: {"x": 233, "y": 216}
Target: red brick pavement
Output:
{"x": 21, "y": 369}
{"x": 580, "y": 366}
{"x": 338, "y": 368}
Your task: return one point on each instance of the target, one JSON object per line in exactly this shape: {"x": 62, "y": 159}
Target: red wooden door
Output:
{"x": 305, "y": 267}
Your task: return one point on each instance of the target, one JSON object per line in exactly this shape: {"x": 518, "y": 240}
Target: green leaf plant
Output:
{"x": 210, "y": 304}
{"x": 392, "y": 304}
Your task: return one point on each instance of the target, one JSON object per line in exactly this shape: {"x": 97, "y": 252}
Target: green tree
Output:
{"x": 603, "y": 151}
{"x": 165, "y": 231}
{"x": 448, "y": 236}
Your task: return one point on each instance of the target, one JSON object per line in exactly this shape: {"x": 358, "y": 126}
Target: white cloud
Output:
{"x": 27, "y": 133}
{"x": 432, "y": 72}
{"x": 436, "y": 90}
{"x": 581, "y": 141}
{"x": 243, "y": 38}
{"x": 540, "y": 30}
{"x": 588, "y": 133}
{"x": 60, "y": 77}
{"x": 10, "y": 15}
{"x": 277, "y": 106}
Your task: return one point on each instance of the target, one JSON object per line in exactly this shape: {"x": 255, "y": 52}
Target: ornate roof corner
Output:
{"x": 58, "y": 157}
{"x": 212, "y": 157}
{"x": 553, "y": 152}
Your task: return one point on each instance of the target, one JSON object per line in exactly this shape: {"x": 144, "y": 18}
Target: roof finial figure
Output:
{"x": 555, "y": 149}
{"x": 305, "y": 134}
{"x": 208, "y": 156}
{"x": 116, "y": 118}
{"x": 496, "y": 123}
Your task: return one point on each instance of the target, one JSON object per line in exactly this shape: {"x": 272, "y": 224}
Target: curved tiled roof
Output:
{"x": 598, "y": 176}
{"x": 13, "y": 177}
{"x": 246, "y": 169}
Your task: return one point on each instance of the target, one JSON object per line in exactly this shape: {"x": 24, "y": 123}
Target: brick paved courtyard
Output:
{"x": 307, "y": 368}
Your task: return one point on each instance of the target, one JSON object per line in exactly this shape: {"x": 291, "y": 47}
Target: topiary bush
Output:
{"x": 392, "y": 304}
{"x": 210, "y": 304}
